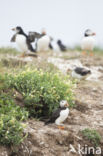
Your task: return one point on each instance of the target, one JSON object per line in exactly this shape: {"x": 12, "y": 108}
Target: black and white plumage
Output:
{"x": 59, "y": 115}
{"x": 88, "y": 41}
{"x": 80, "y": 72}
{"x": 61, "y": 45}
{"x": 23, "y": 41}
{"x": 43, "y": 41}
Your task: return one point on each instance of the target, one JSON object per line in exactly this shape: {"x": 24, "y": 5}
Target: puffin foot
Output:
{"x": 61, "y": 127}
{"x": 23, "y": 55}
{"x": 91, "y": 54}
{"x": 84, "y": 53}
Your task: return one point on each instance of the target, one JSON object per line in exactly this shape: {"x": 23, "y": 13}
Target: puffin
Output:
{"x": 80, "y": 73}
{"x": 59, "y": 115}
{"x": 61, "y": 45}
{"x": 23, "y": 40}
{"x": 43, "y": 41}
{"x": 88, "y": 42}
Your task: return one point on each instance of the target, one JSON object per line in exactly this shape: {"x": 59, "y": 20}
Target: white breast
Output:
{"x": 63, "y": 116}
{"x": 88, "y": 43}
{"x": 75, "y": 75}
{"x": 43, "y": 43}
{"x": 21, "y": 42}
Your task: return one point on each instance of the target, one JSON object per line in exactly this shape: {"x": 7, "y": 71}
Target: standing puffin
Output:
{"x": 61, "y": 46}
{"x": 59, "y": 115}
{"x": 88, "y": 42}
{"x": 43, "y": 42}
{"x": 23, "y": 41}
{"x": 80, "y": 73}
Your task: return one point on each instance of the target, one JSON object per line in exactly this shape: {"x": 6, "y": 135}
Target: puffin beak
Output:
{"x": 66, "y": 104}
{"x": 13, "y": 29}
{"x": 93, "y": 34}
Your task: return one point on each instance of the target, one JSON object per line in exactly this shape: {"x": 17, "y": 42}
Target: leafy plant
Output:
{"x": 92, "y": 135}
{"x": 42, "y": 91}
{"x": 11, "y": 128}
{"x": 7, "y": 106}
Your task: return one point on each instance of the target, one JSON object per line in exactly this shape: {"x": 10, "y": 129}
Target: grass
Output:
{"x": 97, "y": 50}
{"x": 8, "y": 50}
{"x": 92, "y": 135}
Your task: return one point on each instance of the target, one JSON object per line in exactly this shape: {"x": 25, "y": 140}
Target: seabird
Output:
{"x": 88, "y": 41}
{"x": 59, "y": 115}
{"x": 43, "y": 41}
{"x": 43, "y": 44}
{"x": 23, "y": 41}
{"x": 61, "y": 45}
{"x": 80, "y": 73}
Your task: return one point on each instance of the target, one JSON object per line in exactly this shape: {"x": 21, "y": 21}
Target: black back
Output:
{"x": 55, "y": 115}
{"x": 60, "y": 44}
{"x": 82, "y": 71}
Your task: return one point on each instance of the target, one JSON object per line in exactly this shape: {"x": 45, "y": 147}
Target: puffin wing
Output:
{"x": 13, "y": 38}
{"x": 33, "y": 35}
{"x": 54, "y": 116}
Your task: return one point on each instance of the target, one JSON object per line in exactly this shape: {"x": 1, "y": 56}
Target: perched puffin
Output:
{"x": 23, "y": 41}
{"x": 61, "y": 46}
{"x": 88, "y": 42}
{"x": 80, "y": 73}
{"x": 59, "y": 115}
{"x": 43, "y": 41}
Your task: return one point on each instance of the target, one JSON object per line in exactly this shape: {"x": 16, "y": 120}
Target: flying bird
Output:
{"x": 59, "y": 115}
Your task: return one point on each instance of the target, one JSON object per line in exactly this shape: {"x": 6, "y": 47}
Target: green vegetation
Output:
{"x": 42, "y": 91}
{"x": 92, "y": 135}
{"x": 97, "y": 50}
{"x": 11, "y": 115}
{"x": 8, "y": 50}
{"x": 41, "y": 87}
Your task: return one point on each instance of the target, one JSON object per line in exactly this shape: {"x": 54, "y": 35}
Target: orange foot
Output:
{"x": 91, "y": 54}
{"x": 61, "y": 127}
{"x": 84, "y": 53}
{"x": 23, "y": 55}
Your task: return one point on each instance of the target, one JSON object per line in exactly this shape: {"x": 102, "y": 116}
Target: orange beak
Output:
{"x": 13, "y": 29}
{"x": 93, "y": 34}
{"x": 66, "y": 104}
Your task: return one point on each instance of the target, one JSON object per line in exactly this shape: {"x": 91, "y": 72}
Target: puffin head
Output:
{"x": 64, "y": 103}
{"x": 89, "y": 32}
{"x": 59, "y": 42}
{"x": 43, "y": 31}
{"x": 18, "y": 29}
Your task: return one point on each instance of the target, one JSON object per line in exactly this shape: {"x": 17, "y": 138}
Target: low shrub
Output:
{"x": 92, "y": 135}
{"x": 7, "y": 106}
{"x": 42, "y": 91}
{"x": 11, "y": 128}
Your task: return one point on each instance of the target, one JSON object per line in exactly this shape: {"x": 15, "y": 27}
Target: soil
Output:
{"x": 88, "y": 113}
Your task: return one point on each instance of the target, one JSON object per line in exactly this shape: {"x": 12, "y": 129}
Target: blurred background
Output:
{"x": 64, "y": 19}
